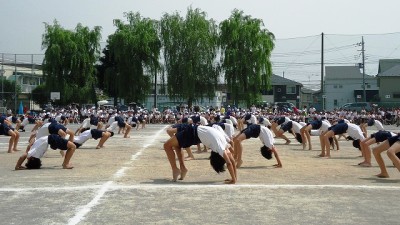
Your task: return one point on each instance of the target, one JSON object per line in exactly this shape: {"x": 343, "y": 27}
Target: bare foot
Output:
{"x": 198, "y": 152}
{"x": 304, "y": 146}
{"x": 278, "y": 166}
{"x": 382, "y": 175}
{"x": 365, "y": 164}
{"x": 229, "y": 181}
{"x": 16, "y": 150}
{"x": 239, "y": 164}
{"x": 287, "y": 142}
{"x": 10, "y": 151}
{"x": 68, "y": 166}
{"x": 127, "y": 136}
{"x": 62, "y": 153}
{"x": 175, "y": 174}
{"x": 183, "y": 174}
{"x": 189, "y": 158}
{"x": 98, "y": 147}
{"x": 20, "y": 168}
{"x": 321, "y": 155}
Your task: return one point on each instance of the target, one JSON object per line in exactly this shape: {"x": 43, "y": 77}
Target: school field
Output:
{"x": 129, "y": 182}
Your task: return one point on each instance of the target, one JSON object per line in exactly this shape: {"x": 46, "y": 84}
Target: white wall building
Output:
{"x": 344, "y": 84}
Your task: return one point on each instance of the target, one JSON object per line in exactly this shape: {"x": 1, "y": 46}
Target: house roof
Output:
{"x": 344, "y": 72}
{"x": 386, "y": 64}
{"x": 392, "y": 72}
{"x": 308, "y": 91}
{"x": 278, "y": 80}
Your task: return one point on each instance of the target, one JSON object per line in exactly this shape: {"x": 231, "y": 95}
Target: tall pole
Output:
{"x": 363, "y": 68}
{"x": 322, "y": 71}
{"x": 155, "y": 87}
{"x": 2, "y": 79}
{"x": 15, "y": 86}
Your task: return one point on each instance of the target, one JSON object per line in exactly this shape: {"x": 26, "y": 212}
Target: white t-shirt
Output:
{"x": 325, "y": 125}
{"x": 86, "y": 123}
{"x": 43, "y": 131}
{"x": 296, "y": 127}
{"x": 266, "y": 137}
{"x": 112, "y": 126}
{"x": 355, "y": 132}
{"x": 213, "y": 139}
{"x": 38, "y": 148}
{"x": 378, "y": 125}
{"x": 229, "y": 130}
{"x": 83, "y": 137}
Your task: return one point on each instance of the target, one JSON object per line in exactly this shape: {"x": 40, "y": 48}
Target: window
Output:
{"x": 334, "y": 86}
{"x": 290, "y": 90}
{"x": 396, "y": 95}
{"x": 278, "y": 90}
{"x": 340, "y": 86}
{"x": 335, "y": 102}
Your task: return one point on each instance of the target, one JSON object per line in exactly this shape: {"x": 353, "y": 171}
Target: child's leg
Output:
{"x": 71, "y": 149}
{"x": 16, "y": 141}
{"x": 11, "y": 142}
{"x": 169, "y": 150}
{"x": 377, "y": 153}
{"x": 182, "y": 166}
{"x": 392, "y": 154}
{"x": 366, "y": 151}
{"x": 103, "y": 139}
{"x": 308, "y": 136}
{"x": 239, "y": 149}
{"x": 190, "y": 154}
{"x": 128, "y": 129}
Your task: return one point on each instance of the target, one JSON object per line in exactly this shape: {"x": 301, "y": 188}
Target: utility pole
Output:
{"x": 363, "y": 68}
{"x": 322, "y": 71}
{"x": 2, "y": 79}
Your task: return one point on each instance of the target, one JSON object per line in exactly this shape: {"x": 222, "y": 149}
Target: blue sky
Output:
{"x": 22, "y": 22}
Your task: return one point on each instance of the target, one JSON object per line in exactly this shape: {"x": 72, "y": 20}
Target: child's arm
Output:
{"x": 21, "y": 159}
{"x": 279, "y": 165}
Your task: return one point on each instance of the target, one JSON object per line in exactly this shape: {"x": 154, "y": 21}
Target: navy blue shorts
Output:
{"x": 31, "y": 120}
{"x": 252, "y": 131}
{"x": 339, "y": 128}
{"x": 4, "y": 128}
{"x": 188, "y": 136}
{"x": 315, "y": 124}
{"x": 381, "y": 136}
{"x": 287, "y": 126}
{"x": 55, "y": 127}
{"x": 57, "y": 142}
{"x": 14, "y": 119}
{"x": 96, "y": 134}
{"x": 394, "y": 139}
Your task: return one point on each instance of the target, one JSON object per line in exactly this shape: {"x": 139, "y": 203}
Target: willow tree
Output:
{"x": 69, "y": 61}
{"x": 189, "y": 47}
{"x": 245, "y": 58}
{"x": 135, "y": 50}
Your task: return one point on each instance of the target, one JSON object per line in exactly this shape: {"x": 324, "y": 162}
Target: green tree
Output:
{"x": 40, "y": 95}
{"x": 245, "y": 57}
{"x": 69, "y": 61}
{"x": 134, "y": 57}
{"x": 8, "y": 97}
{"x": 190, "y": 48}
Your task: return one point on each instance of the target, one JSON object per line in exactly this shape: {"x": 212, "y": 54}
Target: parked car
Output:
{"x": 285, "y": 106}
{"x": 357, "y": 106}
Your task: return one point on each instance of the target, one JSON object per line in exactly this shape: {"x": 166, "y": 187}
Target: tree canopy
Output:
{"x": 190, "y": 47}
{"x": 245, "y": 59}
{"x": 69, "y": 61}
{"x": 134, "y": 51}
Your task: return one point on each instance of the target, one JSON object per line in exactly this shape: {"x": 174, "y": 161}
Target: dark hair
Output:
{"x": 356, "y": 144}
{"x": 33, "y": 163}
{"x": 266, "y": 152}
{"x": 85, "y": 129}
{"x": 298, "y": 138}
{"x": 217, "y": 162}
{"x": 112, "y": 133}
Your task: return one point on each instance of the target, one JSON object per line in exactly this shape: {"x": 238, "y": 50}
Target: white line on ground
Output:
{"x": 183, "y": 186}
{"x": 81, "y": 212}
